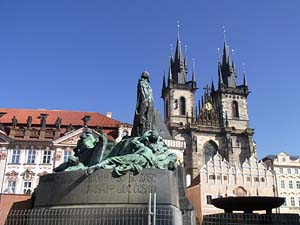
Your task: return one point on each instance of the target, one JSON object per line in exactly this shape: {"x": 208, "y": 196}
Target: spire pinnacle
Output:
{"x": 164, "y": 81}
{"x": 170, "y": 74}
{"x": 193, "y": 72}
{"x": 224, "y": 33}
{"x": 220, "y": 74}
{"x": 245, "y": 83}
{"x": 178, "y": 29}
{"x": 212, "y": 86}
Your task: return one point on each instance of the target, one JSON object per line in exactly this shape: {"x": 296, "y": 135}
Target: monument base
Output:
{"x": 76, "y": 198}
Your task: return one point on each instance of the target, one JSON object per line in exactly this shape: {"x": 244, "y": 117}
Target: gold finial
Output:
{"x": 224, "y": 33}
{"x": 219, "y": 54}
{"x": 178, "y": 29}
{"x": 193, "y": 60}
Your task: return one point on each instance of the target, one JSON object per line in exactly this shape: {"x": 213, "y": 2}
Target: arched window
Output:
{"x": 235, "y": 109}
{"x": 210, "y": 148}
{"x": 182, "y": 106}
{"x": 167, "y": 109}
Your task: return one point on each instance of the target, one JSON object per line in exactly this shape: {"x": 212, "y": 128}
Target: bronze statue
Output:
{"x": 144, "y": 111}
{"x": 144, "y": 149}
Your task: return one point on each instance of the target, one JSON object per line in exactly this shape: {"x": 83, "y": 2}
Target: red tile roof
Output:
{"x": 67, "y": 116}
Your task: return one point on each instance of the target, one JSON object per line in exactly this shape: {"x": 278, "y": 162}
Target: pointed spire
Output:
{"x": 227, "y": 66}
{"x": 199, "y": 106}
{"x": 193, "y": 72}
{"x": 226, "y": 56}
{"x": 178, "y": 52}
{"x": 170, "y": 77}
{"x": 212, "y": 86}
{"x": 245, "y": 83}
{"x": 164, "y": 81}
{"x": 171, "y": 55}
{"x": 220, "y": 74}
{"x": 185, "y": 57}
{"x": 219, "y": 56}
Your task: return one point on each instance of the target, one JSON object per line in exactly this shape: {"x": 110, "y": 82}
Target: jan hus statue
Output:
{"x": 144, "y": 111}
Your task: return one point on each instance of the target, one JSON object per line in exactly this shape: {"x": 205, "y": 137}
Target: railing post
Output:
{"x": 149, "y": 210}
{"x": 154, "y": 208}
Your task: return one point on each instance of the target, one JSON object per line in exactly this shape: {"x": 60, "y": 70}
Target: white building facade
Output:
{"x": 218, "y": 178}
{"x": 287, "y": 170}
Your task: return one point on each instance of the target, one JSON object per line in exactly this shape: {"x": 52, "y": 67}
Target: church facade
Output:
{"x": 219, "y": 122}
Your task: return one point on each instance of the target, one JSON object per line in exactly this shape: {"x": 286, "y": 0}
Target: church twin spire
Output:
{"x": 178, "y": 69}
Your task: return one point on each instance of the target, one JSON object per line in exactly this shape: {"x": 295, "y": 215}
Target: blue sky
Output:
{"x": 88, "y": 55}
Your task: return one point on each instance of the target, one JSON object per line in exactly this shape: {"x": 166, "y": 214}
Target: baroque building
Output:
{"x": 287, "y": 171}
{"x": 33, "y": 142}
{"x": 219, "y": 122}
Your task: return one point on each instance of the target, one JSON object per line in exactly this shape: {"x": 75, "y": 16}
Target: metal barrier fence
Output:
{"x": 90, "y": 216}
{"x": 251, "y": 219}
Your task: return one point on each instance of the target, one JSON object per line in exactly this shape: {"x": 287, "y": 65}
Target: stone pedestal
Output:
{"x": 75, "y": 198}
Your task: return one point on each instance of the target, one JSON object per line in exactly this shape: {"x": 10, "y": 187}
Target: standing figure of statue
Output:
{"x": 144, "y": 111}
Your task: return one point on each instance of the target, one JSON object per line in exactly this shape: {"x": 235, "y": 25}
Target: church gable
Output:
{"x": 71, "y": 138}
{"x": 4, "y": 139}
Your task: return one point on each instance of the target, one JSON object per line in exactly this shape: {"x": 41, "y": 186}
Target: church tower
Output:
{"x": 178, "y": 92}
{"x": 219, "y": 122}
{"x": 233, "y": 110}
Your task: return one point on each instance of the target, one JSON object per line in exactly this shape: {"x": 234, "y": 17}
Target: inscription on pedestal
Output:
{"x": 102, "y": 188}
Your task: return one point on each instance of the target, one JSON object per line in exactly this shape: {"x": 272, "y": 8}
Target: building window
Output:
{"x": 208, "y": 199}
{"x": 298, "y": 184}
{"x": 182, "y": 106}
{"x": 296, "y": 171}
{"x": 281, "y": 170}
{"x": 291, "y": 184}
{"x": 282, "y": 184}
{"x": 255, "y": 179}
{"x": 31, "y": 156}
{"x": 292, "y": 201}
{"x": 167, "y": 109}
{"x": 262, "y": 179}
{"x": 67, "y": 154}
{"x": 289, "y": 171}
{"x": 47, "y": 157}
{"x": 11, "y": 187}
{"x": 212, "y": 177}
{"x": 283, "y": 159}
{"x": 235, "y": 109}
{"x": 27, "y": 187}
{"x": 16, "y": 156}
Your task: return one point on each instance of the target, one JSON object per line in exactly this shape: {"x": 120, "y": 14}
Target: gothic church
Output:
{"x": 217, "y": 123}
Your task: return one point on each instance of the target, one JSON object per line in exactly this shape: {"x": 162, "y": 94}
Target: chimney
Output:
{"x": 108, "y": 114}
